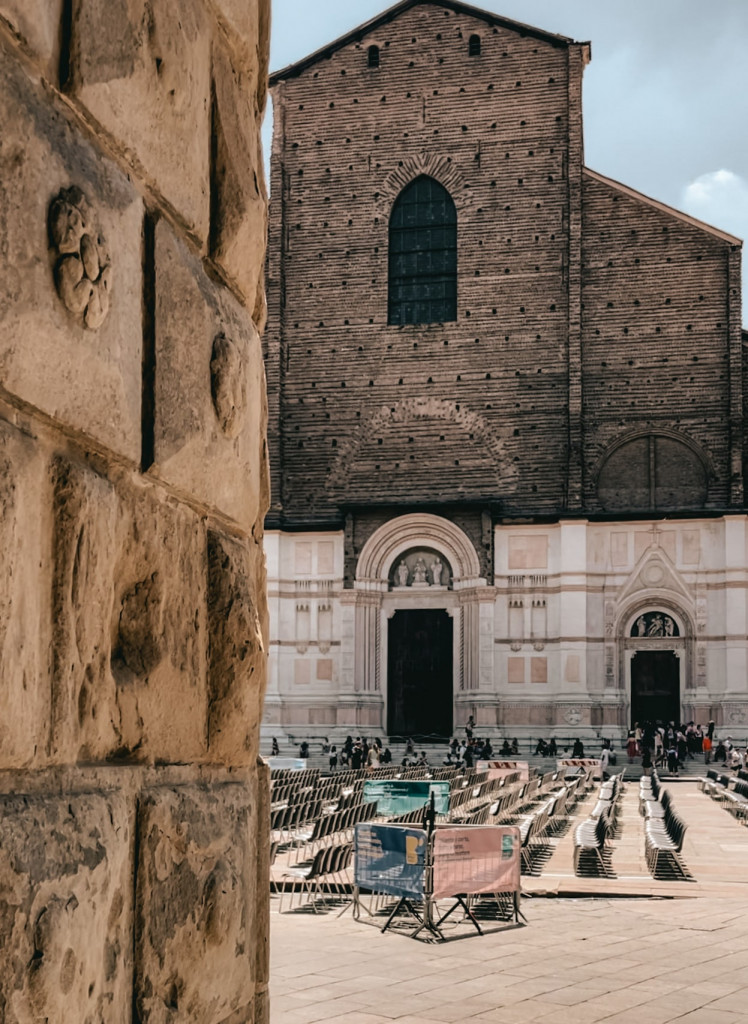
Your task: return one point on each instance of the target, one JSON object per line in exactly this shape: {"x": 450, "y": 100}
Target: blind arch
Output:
{"x": 423, "y": 255}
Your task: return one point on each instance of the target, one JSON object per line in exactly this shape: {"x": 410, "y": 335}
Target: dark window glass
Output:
{"x": 373, "y": 56}
{"x": 474, "y": 46}
{"x": 423, "y": 255}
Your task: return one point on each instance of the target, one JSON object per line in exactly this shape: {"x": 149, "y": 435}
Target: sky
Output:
{"x": 665, "y": 96}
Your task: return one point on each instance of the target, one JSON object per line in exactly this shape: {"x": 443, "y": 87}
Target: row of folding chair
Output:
{"x": 729, "y": 791}
{"x": 591, "y": 848}
{"x": 328, "y": 873}
{"x": 664, "y": 832}
{"x": 330, "y": 825}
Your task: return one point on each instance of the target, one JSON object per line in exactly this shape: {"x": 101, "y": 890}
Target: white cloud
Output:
{"x": 720, "y": 198}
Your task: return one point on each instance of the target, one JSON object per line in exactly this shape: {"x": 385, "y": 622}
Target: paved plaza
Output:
{"x": 617, "y": 950}
{"x": 576, "y": 961}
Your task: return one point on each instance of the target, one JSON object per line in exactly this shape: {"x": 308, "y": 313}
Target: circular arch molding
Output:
{"x": 419, "y": 528}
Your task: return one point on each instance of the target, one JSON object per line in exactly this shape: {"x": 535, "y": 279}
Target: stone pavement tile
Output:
{"x": 735, "y": 1002}
{"x": 537, "y": 1010}
{"x": 452, "y": 1013}
{"x": 707, "y": 1015}
{"x": 361, "y": 1018}
{"x": 647, "y": 1014}
{"x": 722, "y": 987}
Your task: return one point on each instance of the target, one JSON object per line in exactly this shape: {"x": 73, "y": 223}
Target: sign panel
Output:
{"x": 470, "y": 859}
{"x": 390, "y": 859}
{"x": 295, "y": 763}
{"x": 497, "y": 769}
{"x": 400, "y": 796}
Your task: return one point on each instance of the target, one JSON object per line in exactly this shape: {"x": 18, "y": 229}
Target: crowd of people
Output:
{"x": 671, "y": 746}
{"x": 660, "y": 746}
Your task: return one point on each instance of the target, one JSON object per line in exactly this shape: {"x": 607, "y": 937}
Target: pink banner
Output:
{"x": 498, "y": 769}
{"x": 472, "y": 859}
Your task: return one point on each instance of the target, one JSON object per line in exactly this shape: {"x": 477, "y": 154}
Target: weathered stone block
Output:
{"x": 143, "y": 70}
{"x": 85, "y": 718}
{"x": 129, "y": 613}
{"x": 24, "y": 609}
{"x": 239, "y": 219}
{"x": 65, "y": 909}
{"x": 89, "y": 380}
{"x": 236, "y": 676}
{"x": 209, "y": 387}
{"x": 37, "y": 23}
{"x": 195, "y": 905}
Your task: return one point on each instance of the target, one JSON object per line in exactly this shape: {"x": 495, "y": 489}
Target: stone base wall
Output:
{"x": 133, "y": 489}
{"x": 546, "y": 645}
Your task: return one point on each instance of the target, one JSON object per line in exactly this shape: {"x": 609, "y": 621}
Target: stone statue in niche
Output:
{"x": 402, "y": 574}
{"x": 83, "y": 274}
{"x": 655, "y": 625}
{"x": 228, "y": 382}
{"x": 419, "y": 572}
{"x": 436, "y": 571}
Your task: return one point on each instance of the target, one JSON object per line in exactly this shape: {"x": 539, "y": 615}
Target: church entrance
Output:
{"x": 419, "y": 673}
{"x": 655, "y": 687}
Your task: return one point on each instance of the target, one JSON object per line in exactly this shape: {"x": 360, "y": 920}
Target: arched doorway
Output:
{"x": 419, "y": 673}
{"x": 656, "y": 659}
{"x": 655, "y": 687}
{"x": 414, "y": 643}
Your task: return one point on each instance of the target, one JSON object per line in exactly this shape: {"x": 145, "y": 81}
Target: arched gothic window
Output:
{"x": 652, "y": 472}
{"x": 474, "y": 46}
{"x": 423, "y": 255}
{"x": 373, "y": 56}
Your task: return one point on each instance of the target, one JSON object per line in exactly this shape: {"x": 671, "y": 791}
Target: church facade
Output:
{"x": 506, "y": 404}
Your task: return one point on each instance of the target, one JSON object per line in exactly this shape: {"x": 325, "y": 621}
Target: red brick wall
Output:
{"x": 517, "y": 400}
{"x": 656, "y": 331}
{"x": 484, "y": 397}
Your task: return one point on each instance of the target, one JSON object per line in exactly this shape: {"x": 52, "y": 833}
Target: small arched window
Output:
{"x": 474, "y": 46}
{"x": 373, "y": 56}
{"x": 423, "y": 255}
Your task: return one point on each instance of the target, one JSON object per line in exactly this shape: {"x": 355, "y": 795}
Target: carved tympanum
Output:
{"x": 228, "y": 377}
{"x": 83, "y": 273}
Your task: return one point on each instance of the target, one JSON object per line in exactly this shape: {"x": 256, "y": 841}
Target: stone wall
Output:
{"x": 133, "y": 488}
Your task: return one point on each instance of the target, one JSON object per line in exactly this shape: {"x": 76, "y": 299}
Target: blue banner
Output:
{"x": 390, "y": 859}
{"x": 400, "y": 796}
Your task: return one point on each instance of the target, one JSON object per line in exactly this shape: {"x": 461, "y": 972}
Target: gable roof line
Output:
{"x": 356, "y": 34}
{"x": 648, "y": 201}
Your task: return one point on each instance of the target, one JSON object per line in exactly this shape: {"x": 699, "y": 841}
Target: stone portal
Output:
{"x": 655, "y": 687}
{"x": 419, "y": 676}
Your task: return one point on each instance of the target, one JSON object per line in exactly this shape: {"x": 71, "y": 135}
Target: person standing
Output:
{"x": 631, "y": 747}
{"x": 469, "y": 726}
{"x": 274, "y": 749}
{"x": 706, "y": 746}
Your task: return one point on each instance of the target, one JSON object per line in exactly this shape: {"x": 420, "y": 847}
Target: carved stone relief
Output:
{"x": 83, "y": 273}
{"x": 573, "y": 716}
{"x": 228, "y": 381}
{"x": 655, "y": 624}
{"x": 421, "y": 569}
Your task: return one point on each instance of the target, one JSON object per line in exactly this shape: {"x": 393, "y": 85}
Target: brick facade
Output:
{"x": 585, "y": 312}
{"x": 590, "y": 385}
